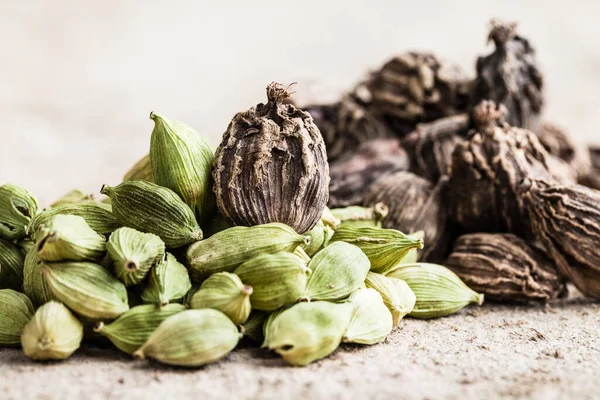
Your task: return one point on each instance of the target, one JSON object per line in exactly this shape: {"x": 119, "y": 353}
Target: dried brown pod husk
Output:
{"x": 592, "y": 177}
{"x": 352, "y": 175}
{"x": 271, "y": 166}
{"x": 414, "y": 204}
{"x": 510, "y": 76}
{"x": 505, "y": 268}
{"x": 559, "y": 143}
{"x": 566, "y": 221}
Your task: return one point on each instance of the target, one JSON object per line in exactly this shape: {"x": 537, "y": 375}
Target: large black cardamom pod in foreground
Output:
{"x": 271, "y": 166}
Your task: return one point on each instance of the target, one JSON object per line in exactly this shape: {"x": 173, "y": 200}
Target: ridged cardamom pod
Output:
{"x": 317, "y": 238}
{"x": 74, "y": 196}
{"x": 140, "y": 170}
{"x": 150, "y": 208}
{"x": 86, "y": 288}
{"x": 276, "y": 279}
{"x": 131, "y": 330}
{"x": 15, "y": 312}
{"x": 558, "y": 142}
{"x": 308, "y": 332}
{"x": 566, "y": 221}
{"x": 182, "y": 161}
{"x": 11, "y": 266}
{"x": 253, "y": 327}
{"x": 191, "y": 338}
{"x": 371, "y": 320}
{"x": 53, "y": 333}
{"x": 439, "y": 291}
{"x": 167, "y": 281}
{"x": 69, "y": 238}
{"x": 34, "y": 285}
{"x": 359, "y": 216}
{"x": 329, "y": 220}
{"x": 227, "y": 250}
{"x": 225, "y": 292}
{"x": 26, "y": 245}
{"x": 385, "y": 248}
{"x": 505, "y": 268}
{"x": 17, "y": 208}
{"x": 133, "y": 254}
{"x": 396, "y": 294}
{"x": 337, "y": 271}
{"x": 413, "y": 255}
{"x": 271, "y": 166}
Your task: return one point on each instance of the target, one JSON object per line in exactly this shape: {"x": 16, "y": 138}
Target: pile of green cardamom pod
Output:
{"x": 159, "y": 272}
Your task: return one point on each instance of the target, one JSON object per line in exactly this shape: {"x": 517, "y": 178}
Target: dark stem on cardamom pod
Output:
{"x": 501, "y": 32}
{"x": 276, "y": 93}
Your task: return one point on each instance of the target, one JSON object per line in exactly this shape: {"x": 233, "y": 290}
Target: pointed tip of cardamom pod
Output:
{"x": 131, "y": 266}
{"x": 480, "y": 298}
{"x": 152, "y": 115}
{"x": 98, "y": 327}
{"x": 105, "y": 190}
{"x": 247, "y": 290}
{"x": 381, "y": 210}
{"x": 501, "y": 32}
{"x": 276, "y": 93}
{"x": 197, "y": 234}
{"x": 524, "y": 185}
{"x": 421, "y": 243}
{"x": 139, "y": 355}
{"x": 307, "y": 240}
{"x": 488, "y": 113}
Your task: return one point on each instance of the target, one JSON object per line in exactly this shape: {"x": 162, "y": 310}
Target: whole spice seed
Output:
{"x": 361, "y": 216}
{"x": 141, "y": 170}
{"x": 271, "y": 166}
{"x": 34, "y": 285}
{"x": 559, "y": 143}
{"x": 371, "y": 320}
{"x": 17, "y": 208}
{"x": 396, "y": 294}
{"x": 11, "y": 266}
{"x": 15, "y": 311}
{"x": 74, "y": 196}
{"x": 168, "y": 281}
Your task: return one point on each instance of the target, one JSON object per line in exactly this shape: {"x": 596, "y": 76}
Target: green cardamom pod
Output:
{"x": 413, "y": 255}
{"x": 397, "y": 295}
{"x": 215, "y": 223}
{"x": 34, "y": 285}
{"x": 225, "y": 292}
{"x": 253, "y": 327}
{"x": 227, "y": 250}
{"x": 133, "y": 254}
{"x": 300, "y": 253}
{"x": 11, "y": 266}
{"x": 307, "y": 332}
{"x": 329, "y": 232}
{"x": 371, "y": 320}
{"x": 317, "y": 236}
{"x": 358, "y": 216}
{"x": 15, "y": 312}
{"x": 69, "y": 238}
{"x": 337, "y": 271}
{"x": 86, "y": 288}
{"x": 182, "y": 161}
{"x": 269, "y": 322}
{"x": 191, "y": 338}
{"x": 385, "y": 248}
{"x": 329, "y": 219}
{"x": 141, "y": 170}
{"x": 277, "y": 279}
{"x": 53, "y": 333}
{"x": 131, "y": 330}
{"x": 168, "y": 281}
{"x": 439, "y": 291}
{"x": 17, "y": 208}
{"x": 74, "y": 196}
{"x": 150, "y": 208}
{"x": 26, "y": 245}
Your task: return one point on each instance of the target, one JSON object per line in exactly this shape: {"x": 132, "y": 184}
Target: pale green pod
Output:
{"x": 337, "y": 271}
{"x": 53, "y": 333}
{"x": 168, "y": 281}
{"x": 227, "y": 250}
{"x": 371, "y": 320}
{"x": 358, "y": 216}
{"x": 131, "y": 330}
{"x": 214, "y": 224}
{"x": 329, "y": 219}
{"x": 86, "y": 288}
{"x": 307, "y": 332}
{"x": 69, "y": 238}
{"x": 413, "y": 255}
{"x": 439, "y": 291}
{"x": 182, "y": 161}
{"x": 74, "y": 196}
{"x": 253, "y": 327}
{"x": 385, "y": 248}
{"x": 150, "y": 208}
{"x": 268, "y": 323}
{"x": 397, "y": 295}
{"x": 225, "y": 292}
{"x": 11, "y": 266}
{"x": 277, "y": 279}
{"x": 26, "y": 245}
{"x": 317, "y": 236}
{"x": 133, "y": 254}
{"x": 191, "y": 338}
{"x": 140, "y": 170}
{"x": 328, "y": 234}
{"x": 300, "y": 253}
{"x": 15, "y": 312}
{"x": 34, "y": 285}
{"x": 17, "y": 208}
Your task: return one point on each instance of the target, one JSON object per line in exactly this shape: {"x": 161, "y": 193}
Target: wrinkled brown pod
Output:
{"x": 352, "y": 175}
{"x": 558, "y": 142}
{"x": 592, "y": 177}
{"x": 414, "y": 204}
{"x": 510, "y": 76}
{"x": 505, "y": 268}
{"x": 271, "y": 166}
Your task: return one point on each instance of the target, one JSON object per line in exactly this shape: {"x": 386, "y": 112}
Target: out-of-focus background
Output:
{"x": 78, "y": 79}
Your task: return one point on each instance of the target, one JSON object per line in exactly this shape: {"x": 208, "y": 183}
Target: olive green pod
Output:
{"x": 253, "y": 327}
{"x": 34, "y": 285}
{"x": 15, "y": 312}
{"x": 413, "y": 255}
{"x": 227, "y": 250}
{"x": 26, "y": 245}
{"x": 307, "y": 332}
{"x": 17, "y": 208}
{"x": 269, "y": 322}
{"x": 358, "y": 216}
{"x": 74, "y": 196}
{"x": 11, "y": 266}
{"x": 397, "y": 295}
{"x": 133, "y": 254}
{"x": 371, "y": 320}
{"x": 168, "y": 281}
{"x": 225, "y": 292}
{"x": 277, "y": 279}
{"x": 182, "y": 161}
{"x": 439, "y": 291}
{"x": 131, "y": 330}
{"x": 337, "y": 271}
{"x": 140, "y": 170}
{"x": 53, "y": 333}
{"x": 191, "y": 338}
{"x": 69, "y": 238}
{"x": 150, "y": 208}
{"x": 384, "y": 247}
{"x": 317, "y": 238}
{"x": 86, "y": 288}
